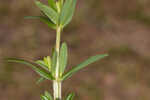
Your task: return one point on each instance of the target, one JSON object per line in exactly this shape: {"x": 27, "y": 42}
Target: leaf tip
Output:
{"x": 37, "y": 2}
{"x": 106, "y": 55}
{"x": 27, "y": 17}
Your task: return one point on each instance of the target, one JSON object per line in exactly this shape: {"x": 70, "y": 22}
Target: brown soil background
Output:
{"x": 119, "y": 27}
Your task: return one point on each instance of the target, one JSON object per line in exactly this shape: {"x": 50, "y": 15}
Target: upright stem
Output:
{"x": 57, "y": 82}
{"x": 57, "y": 90}
{"x": 57, "y": 50}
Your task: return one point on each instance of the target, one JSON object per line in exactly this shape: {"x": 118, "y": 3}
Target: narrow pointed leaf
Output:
{"x": 67, "y": 12}
{"x": 54, "y": 60}
{"x": 48, "y": 95}
{"x": 41, "y": 79}
{"x": 42, "y": 64}
{"x": 83, "y": 64}
{"x": 44, "y": 20}
{"x": 49, "y": 62}
{"x": 52, "y": 4}
{"x": 45, "y": 61}
{"x": 48, "y": 11}
{"x": 40, "y": 71}
{"x": 44, "y": 98}
{"x": 63, "y": 58}
{"x": 70, "y": 96}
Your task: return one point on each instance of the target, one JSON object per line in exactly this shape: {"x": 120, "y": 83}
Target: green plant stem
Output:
{"x": 58, "y": 35}
{"x": 57, "y": 90}
{"x": 62, "y": 1}
{"x": 56, "y": 82}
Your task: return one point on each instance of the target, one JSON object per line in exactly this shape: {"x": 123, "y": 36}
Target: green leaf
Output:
{"x": 70, "y": 96}
{"x": 41, "y": 79}
{"x": 48, "y": 95}
{"x": 82, "y": 65}
{"x": 48, "y": 11}
{"x": 43, "y": 19}
{"x": 40, "y": 71}
{"x": 54, "y": 61}
{"x": 63, "y": 58}
{"x": 67, "y": 12}
{"x": 49, "y": 62}
{"x": 52, "y": 4}
{"x": 45, "y": 63}
{"x": 44, "y": 98}
{"x": 42, "y": 64}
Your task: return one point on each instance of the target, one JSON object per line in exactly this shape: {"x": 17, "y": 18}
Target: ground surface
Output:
{"x": 119, "y": 27}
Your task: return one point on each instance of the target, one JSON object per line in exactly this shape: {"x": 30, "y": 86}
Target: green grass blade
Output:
{"x": 44, "y": 20}
{"x": 40, "y": 71}
{"x": 52, "y": 4}
{"x": 82, "y": 65}
{"x": 63, "y": 58}
{"x": 48, "y": 11}
{"x": 70, "y": 96}
{"x": 67, "y": 12}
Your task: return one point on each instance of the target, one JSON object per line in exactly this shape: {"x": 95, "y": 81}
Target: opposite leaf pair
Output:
{"x": 54, "y": 15}
{"x": 50, "y": 64}
{"x": 46, "y": 68}
{"x": 47, "y": 96}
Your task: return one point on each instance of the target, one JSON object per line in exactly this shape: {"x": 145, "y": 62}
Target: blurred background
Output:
{"x": 119, "y": 27}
